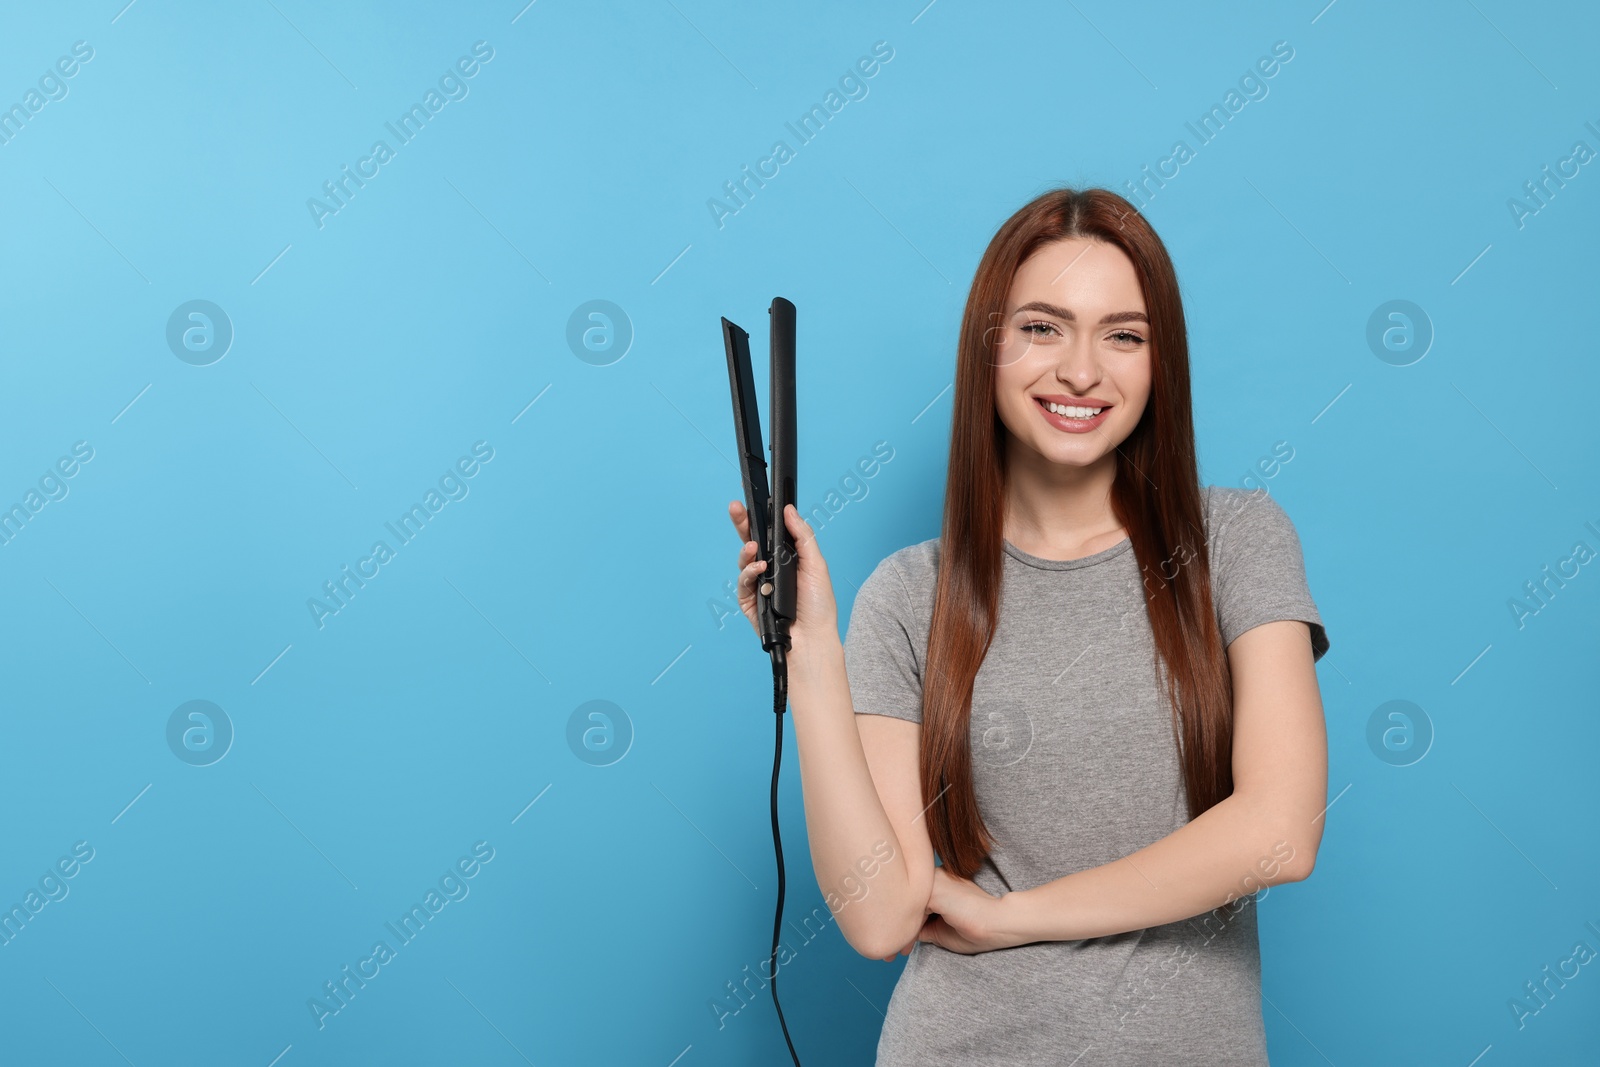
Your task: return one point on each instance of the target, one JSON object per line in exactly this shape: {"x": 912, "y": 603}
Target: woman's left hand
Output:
{"x": 963, "y": 917}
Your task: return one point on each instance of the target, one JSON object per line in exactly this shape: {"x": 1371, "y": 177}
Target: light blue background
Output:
{"x": 589, "y": 559}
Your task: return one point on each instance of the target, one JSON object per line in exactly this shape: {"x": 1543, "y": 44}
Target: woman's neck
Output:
{"x": 1059, "y": 512}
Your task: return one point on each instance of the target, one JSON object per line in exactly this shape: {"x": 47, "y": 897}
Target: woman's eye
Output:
{"x": 1046, "y": 329}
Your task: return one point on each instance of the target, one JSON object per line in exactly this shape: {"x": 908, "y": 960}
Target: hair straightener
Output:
{"x": 775, "y": 590}
{"x": 774, "y": 543}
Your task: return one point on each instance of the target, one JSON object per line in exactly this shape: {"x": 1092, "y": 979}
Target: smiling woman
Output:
{"x": 1057, "y": 427}
{"x": 1092, "y": 699}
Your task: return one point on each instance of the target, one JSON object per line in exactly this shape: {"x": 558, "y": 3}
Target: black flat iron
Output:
{"x": 775, "y": 590}
{"x": 775, "y": 600}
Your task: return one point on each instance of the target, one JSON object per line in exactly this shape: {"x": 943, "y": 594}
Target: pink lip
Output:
{"x": 1075, "y": 401}
{"x": 1061, "y": 422}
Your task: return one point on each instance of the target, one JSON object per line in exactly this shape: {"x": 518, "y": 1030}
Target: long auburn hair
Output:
{"x": 1155, "y": 496}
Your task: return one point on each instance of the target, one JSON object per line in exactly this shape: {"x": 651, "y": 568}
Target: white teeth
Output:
{"x": 1073, "y": 412}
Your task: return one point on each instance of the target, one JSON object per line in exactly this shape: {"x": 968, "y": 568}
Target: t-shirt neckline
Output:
{"x": 1067, "y": 564}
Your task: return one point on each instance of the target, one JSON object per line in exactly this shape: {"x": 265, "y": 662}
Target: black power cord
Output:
{"x": 780, "y": 698}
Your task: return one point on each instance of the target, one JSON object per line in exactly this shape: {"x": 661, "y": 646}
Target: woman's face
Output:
{"x": 1075, "y": 333}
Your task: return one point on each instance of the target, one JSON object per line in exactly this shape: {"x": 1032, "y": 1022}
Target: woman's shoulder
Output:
{"x": 916, "y": 565}
{"x": 904, "y": 580}
{"x": 919, "y": 557}
{"x": 1232, "y": 512}
{"x": 1258, "y": 571}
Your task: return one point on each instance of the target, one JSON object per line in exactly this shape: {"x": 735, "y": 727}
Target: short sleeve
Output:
{"x": 1258, "y": 570}
{"x": 880, "y": 653}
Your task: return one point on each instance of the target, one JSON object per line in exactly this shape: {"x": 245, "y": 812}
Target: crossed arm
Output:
{"x": 1264, "y": 834}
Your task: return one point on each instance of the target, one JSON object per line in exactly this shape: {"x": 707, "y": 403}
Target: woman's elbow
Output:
{"x": 880, "y": 945}
{"x": 882, "y": 937}
{"x": 1294, "y": 860}
{"x": 887, "y": 917}
{"x": 1295, "y": 837}
{"x": 869, "y": 945}
{"x": 1304, "y": 863}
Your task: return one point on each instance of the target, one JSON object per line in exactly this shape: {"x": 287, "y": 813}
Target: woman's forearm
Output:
{"x": 1231, "y": 850}
{"x": 860, "y": 865}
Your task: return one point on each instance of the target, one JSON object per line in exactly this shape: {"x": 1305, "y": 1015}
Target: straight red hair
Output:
{"x": 1155, "y": 497}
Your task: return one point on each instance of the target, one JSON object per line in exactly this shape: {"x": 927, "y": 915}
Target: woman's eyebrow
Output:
{"x": 1065, "y": 313}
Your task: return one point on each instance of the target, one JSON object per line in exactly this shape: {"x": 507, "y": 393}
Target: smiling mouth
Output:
{"x": 1073, "y": 412}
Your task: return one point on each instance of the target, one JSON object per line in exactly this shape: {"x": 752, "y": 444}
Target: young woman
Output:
{"x": 1093, "y": 697}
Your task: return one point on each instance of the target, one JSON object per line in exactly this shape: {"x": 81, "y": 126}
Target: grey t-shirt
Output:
{"x": 1075, "y": 765}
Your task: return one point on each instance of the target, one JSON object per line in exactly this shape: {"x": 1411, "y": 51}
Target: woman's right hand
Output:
{"x": 816, "y": 612}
